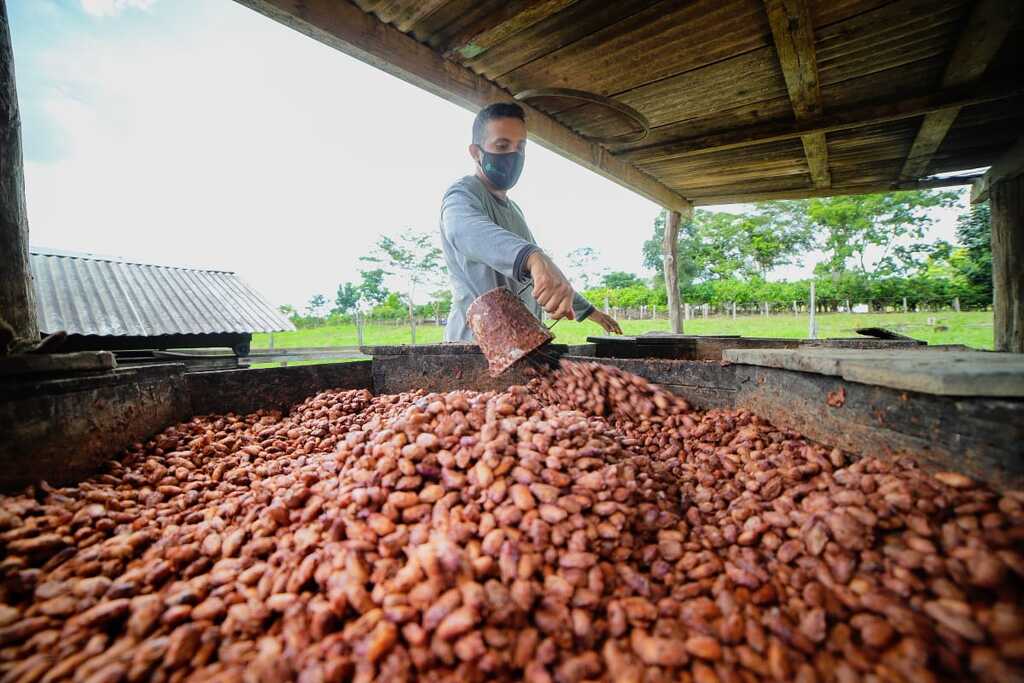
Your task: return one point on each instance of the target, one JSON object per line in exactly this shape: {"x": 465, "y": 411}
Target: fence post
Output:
{"x": 359, "y": 327}
{"x": 704, "y": 310}
{"x": 795, "y": 314}
{"x": 606, "y": 308}
{"x": 271, "y": 342}
{"x": 812, "y": 331}
{"x": 956, "y": 304}
{"x": 904, "y": 304}
{"x": 733, "y": 310}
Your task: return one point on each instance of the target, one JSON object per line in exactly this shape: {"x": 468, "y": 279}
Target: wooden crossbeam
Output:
{"x": 846, "y": 119}
{"x": 1010, "y": 165}
{"x": 793, "y": 33}
{"x": 989, "y": 24}
{"x": 871, "y": 188}
{"x": 347, "y": 28}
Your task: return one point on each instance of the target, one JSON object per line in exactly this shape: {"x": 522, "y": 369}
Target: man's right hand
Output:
{"x": 550, "y": 288}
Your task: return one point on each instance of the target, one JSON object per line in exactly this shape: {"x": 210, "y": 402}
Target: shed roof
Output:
{"x": 89, "y": 294}
{"x": 746, "y": 99}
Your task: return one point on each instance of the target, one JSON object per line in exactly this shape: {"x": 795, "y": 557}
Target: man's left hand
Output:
{"x": 605, "y": 321}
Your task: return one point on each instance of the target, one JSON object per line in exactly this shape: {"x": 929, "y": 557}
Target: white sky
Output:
{"x": 200, "y": 132}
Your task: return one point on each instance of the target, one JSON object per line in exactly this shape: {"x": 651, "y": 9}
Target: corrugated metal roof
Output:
{"x": 109, "y": 296}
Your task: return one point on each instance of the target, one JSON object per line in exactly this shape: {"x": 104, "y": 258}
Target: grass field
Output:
{"x": 970, "y": 328}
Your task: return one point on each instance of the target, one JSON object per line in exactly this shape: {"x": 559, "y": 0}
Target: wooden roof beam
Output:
{"x": 989, "y": 24}
{"x": 1009, "y": 166}
{"x": 845, "y": 119}
{"x": 794, "y": 43}
{"x": 343, "y": 26}
{"x": 837, "y": 191}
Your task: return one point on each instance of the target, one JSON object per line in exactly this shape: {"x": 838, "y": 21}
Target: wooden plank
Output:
{"x": 476, "y": 37}
{"x": 929, "y": 371}
{"x": 347, "y": 28}
{"x": 713, "y": 200}
{"x": 989, "y": 24}
{"x": 1008, "y": 265}
{"x": 41, "y": 363}
{"x": 847, "y": 119}
{"x": 1010, "y": 165}
{"x": 793, "y": 33}
{"x": 18, "y": 325}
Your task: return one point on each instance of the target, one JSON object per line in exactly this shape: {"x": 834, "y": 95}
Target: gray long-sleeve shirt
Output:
{"x": 486, "y": 243}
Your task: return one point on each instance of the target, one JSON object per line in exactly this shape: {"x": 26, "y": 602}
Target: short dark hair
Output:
{"x": 498, "y": 110}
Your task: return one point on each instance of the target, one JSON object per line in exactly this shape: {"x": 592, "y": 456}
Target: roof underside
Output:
{"x": 726, "y": 89}
{"x": 90, "y": 295}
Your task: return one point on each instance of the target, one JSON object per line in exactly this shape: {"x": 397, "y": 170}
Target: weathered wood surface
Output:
{"x": 33, "y": 363}
{"x": 930, "y": 371}
{"x": 794, "y": 44}
{"x": 981, "y": 437}
{"x": 248, "y": 390}
{"x": 63, "y": 430}
{"x": 670, "y": 256}
{"x": 345, "y": 27}
{"x": 829, "y": 122}
{"x": 989, "y": 24}
{"x": 17, "y": 297}
{"x": 712, "y": 347}
{"x": 1008, "y": 264}
{"x": 706, "y": 75}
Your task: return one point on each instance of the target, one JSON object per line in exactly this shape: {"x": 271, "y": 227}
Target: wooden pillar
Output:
{"x": 1007, "y": 201}
{"x": 17, "y": 298}
{"x": 669, "y": 250}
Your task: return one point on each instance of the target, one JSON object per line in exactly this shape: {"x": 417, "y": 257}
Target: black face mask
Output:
{"x": 502, "y": 170}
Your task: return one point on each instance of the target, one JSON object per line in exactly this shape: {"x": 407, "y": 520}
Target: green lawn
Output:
{"x": 969, "y": 328}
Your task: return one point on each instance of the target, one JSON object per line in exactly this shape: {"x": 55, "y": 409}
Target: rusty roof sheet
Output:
{"x": 89, "y": 294}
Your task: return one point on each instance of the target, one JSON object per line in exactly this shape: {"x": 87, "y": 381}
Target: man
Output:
{"x": 484, "y": 235}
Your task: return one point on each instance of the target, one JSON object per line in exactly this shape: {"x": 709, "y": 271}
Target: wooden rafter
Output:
{"x": 347, "y": 28}
{"x": 989, "y": 24}
{"x": 868, "y": 188}
{"x": 794, "y": 43}
{"x": 845, "y": 119}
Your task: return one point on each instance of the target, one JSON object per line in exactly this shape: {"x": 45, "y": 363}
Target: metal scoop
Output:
{"x": 505, "y": 329}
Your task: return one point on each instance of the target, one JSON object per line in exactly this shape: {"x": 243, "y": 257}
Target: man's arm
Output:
{"x": 468, "y": 228}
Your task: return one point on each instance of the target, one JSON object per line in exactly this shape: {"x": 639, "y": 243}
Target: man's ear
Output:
{"x": 474, "y": 152}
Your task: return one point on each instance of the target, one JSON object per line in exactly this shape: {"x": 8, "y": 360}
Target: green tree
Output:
{"x": 974, "y": 233}
{"x": 315, "y": 307}
{"x": 415, "y": 257}
{"x": 372, "y": 287}
{"x": 582, "y": 262}
{"x": 346, "y": 298}
{"x": 850, "y": 225}
{"x": 775, "y": 233}
{"x": 620, "y": 280}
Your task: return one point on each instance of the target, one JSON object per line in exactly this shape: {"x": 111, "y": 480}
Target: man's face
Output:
{"x": 501, "y": 136}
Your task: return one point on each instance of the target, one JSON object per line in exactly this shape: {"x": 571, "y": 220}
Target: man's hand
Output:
{"x": 605, "y": 321}
{"x": 550, "y": 288}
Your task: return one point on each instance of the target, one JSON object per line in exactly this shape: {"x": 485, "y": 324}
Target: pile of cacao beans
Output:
{"x": 586, "y": 527}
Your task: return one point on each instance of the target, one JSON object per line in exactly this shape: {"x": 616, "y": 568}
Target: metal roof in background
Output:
{"x": 89, "y": 294}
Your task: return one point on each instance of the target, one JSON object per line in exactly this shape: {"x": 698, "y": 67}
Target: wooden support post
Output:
{"x": 812, "y": 328}
{"x": 1007, "y": 200}
{"x": 359, "y": 327}
{"x": 17, "y": 298}
{"x": 670, "y": 249}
